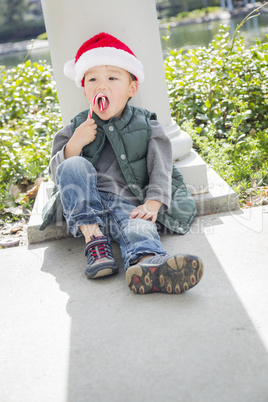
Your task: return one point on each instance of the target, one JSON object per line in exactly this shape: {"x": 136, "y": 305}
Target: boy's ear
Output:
{"x": 133, "y": 88}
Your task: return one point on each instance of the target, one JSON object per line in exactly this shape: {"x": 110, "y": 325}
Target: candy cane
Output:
{"x": 93, "y": 102}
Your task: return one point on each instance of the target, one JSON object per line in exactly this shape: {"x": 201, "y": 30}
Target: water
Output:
{"x": 190, "y": 36}
{"x": 13, "y": 59}
{"x": 187, "y": 36}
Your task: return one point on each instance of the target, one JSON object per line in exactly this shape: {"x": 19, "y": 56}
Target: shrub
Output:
{"x": 187, "y": 15}
{"x": 223, "y": 91}
{"x": 29, "y": 117}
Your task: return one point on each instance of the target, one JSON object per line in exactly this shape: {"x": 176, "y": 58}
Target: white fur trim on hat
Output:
{"x": 102, "y": 56}
{"x": 69, "y": 69}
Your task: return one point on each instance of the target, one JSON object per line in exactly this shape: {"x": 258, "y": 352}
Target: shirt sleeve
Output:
{"x": 57, "y": 153}
{"x": 159, "y": 165}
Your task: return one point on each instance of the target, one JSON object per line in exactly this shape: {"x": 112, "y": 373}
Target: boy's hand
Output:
{"x": 86, "y": 133}
{"x": 83, "y": 135}
{"x": 148, "y": 210}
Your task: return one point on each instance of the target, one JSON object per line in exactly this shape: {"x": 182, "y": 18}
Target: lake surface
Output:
{"x": 190, "y": 36}
{"x": 13, "y": 59}
{"x": 187, "y": 36}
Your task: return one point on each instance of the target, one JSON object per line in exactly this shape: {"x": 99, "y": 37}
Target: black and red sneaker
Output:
{"x": 166, "y": 274}
{"x": 100, "y": 259}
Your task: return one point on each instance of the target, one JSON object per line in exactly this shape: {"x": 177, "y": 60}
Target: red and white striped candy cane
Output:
{"x": 93, "y": 102}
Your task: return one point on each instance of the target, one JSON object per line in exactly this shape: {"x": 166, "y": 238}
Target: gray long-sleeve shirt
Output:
{"x": 110, "y": 177}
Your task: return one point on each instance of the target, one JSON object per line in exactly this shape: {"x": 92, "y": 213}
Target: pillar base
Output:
{"x": 194, "y": 171}
{"x": 181, "y": 141}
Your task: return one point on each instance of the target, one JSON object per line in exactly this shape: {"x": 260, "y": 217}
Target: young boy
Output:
{"x": 114, "y": 175}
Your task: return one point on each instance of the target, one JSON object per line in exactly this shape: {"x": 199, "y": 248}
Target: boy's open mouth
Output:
{"x": 103, "y": 103}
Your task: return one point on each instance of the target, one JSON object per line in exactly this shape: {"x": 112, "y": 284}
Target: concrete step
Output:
{"x": 218, "y": 198}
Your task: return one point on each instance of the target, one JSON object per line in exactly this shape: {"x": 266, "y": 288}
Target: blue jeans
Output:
{"x": 83, "y": 204}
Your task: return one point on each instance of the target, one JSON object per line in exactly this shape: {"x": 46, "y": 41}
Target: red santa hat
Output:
{"x": 101, "y": 50}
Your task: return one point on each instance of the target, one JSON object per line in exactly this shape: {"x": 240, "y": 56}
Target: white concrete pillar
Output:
{"x": 223, "y": 4}
{"x": 230, "y": 5}
{"x": 69, "y": 23}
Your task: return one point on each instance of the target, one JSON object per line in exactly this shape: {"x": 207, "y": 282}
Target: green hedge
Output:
{"x": 220, "y": 95}
{"x": 29, "y": 118}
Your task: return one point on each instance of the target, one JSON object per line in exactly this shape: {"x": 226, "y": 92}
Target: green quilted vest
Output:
{"x": 128, "y": 137}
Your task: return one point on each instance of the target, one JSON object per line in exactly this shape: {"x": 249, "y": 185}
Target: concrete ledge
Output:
{"x": 218, "y": 198}
{"x": 56, "y": 231}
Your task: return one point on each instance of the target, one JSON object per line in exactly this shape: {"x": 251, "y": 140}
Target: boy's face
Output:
{"x": 115, "y": 83}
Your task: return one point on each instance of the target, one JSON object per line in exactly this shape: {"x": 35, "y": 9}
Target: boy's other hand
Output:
{"x": 148, "y": 210}
{"x": 83, "y": 135}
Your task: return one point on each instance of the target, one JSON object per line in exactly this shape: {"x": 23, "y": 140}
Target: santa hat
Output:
{"x": 101, "y": 50}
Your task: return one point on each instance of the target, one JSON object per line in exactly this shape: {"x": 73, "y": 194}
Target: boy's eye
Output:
{"x": 112, "y": 78}
{"x": 92, "y": 79}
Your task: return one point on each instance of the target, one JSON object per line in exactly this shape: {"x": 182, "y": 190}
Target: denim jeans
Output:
{"x": 83, "y": 204}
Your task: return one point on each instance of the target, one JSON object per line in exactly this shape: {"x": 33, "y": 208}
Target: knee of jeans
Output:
{"x": 141, "y": 227}
{"x": 75, "y": 164}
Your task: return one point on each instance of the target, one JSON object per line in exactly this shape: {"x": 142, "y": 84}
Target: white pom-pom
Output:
{"x": 69, "y": 69}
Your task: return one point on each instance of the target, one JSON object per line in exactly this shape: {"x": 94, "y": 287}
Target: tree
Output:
{"x": 12, "y": 11}
{"x": 177, "y": 6}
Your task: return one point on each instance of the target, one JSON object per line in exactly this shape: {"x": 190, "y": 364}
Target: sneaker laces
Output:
{"x": 98, "y": 247}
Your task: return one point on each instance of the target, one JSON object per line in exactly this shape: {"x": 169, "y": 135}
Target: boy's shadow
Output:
{"x": 65, "y": 260}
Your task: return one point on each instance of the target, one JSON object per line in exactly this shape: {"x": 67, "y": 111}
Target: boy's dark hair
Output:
{"x": 133, "y": 78}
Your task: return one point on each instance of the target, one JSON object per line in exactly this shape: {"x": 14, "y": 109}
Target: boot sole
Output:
{"x": 176, "y": 275}
{"x": 101, "y": 272}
